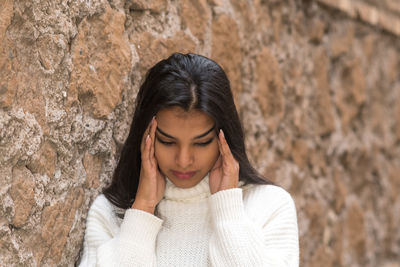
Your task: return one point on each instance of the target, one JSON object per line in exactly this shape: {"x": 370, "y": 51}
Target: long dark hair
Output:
{"x": 189, "y": 81}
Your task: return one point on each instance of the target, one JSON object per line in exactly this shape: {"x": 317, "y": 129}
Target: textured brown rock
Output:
{"x": 246, "y": 16}
{"x": 355, "y": 227}
{"x": 317, "y": 30}
{"x": 271, "y": 171}
{"x": 8, "y": 77}
{"x": 299, "y": 20}
{"x": 317, "y": 215}
{"x": 293, "y": 76}
{"x": 20, "y": 137}
{"x": 359, "y": 167}
{"x": 394, "y": 178}
{"x": 391, "y": 264}
{"x": 182, "y": 43}
{"x": 300, "y": 152}
{"x": 391, "y": 63}
{"x": 340, "y": 191}
{"x": 195, "y": 15}
{"x": 7, "y": 65}
{"x": 101, "y": 57}
{"x": 381, "y": 15}
{"x": 156, "y": 6}
{"x": 352, "y": 92}
{"x": 7, "y": 248}
{"x": 369, "y": 45}
{"x": 342, "y": 41}
{"x": 56, "y": 223}
{"x": 277, "y": 24}
{"x": 44, "y": 161}
{"x": 391, "y": 220}
{"x": 397, "y": 117}
{"x": 22, "y": 81}
{"x": 152, "y": 49}
{"x": 392, "y": 5}
{"x": 6, "y": 12}
{"x": 323, "y": 256}
{"x": 263, "y": 18}
{"x": 296, "y": 188}
{"x": 92, "y": 166}
{"x": 269, "y": 88}
{"x": 30, "y": 95}
{"x": 376, "y": 112}
{"x": 317, "y": 162}
{"x": 336, "y": 242}
{"x": 51, "y": 50}
{"x": 22, "y": 193}
{"x": 226, "y": 50}
{"x": 322, "y": 106}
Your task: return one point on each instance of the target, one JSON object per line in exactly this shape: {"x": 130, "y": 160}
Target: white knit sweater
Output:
{"x": 255, "y": 225}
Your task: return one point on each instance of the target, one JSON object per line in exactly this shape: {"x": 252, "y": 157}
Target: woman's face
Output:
{"x": 186, "y": 146}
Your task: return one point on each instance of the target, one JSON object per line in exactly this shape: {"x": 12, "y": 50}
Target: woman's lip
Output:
{"x": 183, "y": 175}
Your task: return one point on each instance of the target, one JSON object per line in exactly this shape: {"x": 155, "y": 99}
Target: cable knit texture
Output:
{"x": 253, "y": 225}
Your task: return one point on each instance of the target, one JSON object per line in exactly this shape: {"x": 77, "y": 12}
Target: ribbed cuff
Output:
{"x": 227, "y": 205}
{"x": 140, "y": 226}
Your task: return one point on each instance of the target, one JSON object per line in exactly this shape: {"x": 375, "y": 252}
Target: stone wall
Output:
{"x": 317, "y": 85}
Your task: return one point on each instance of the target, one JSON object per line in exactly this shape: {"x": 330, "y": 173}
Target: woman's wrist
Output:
{"x": 141, "y": 206}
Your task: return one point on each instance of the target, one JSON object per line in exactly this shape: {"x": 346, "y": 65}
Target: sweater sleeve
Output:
{"x": 131, "y": 244}
{"x": 268, "y": 238}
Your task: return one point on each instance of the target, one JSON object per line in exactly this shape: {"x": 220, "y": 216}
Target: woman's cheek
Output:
{"x": 159, "y": 155}
{"x": 212, "y": 155}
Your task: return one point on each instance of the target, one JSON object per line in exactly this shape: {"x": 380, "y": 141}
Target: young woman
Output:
{"x": 183, "y": 192}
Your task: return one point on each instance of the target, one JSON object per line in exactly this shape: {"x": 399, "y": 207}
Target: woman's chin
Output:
{"x": 185, "y": 183}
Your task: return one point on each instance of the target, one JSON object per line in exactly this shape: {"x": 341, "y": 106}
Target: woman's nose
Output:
{"x": 184, "y": 158}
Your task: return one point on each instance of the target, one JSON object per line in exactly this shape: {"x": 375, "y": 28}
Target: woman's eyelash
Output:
{"x": 165, "y": 142}
{"x": 205, "y": 143}
{"x": 197, "y": 144}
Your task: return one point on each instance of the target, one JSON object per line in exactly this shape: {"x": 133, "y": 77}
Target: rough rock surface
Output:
{"x": 317, "y": 85}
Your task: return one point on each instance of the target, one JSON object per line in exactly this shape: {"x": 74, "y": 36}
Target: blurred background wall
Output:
{"x": 317, "y": 85}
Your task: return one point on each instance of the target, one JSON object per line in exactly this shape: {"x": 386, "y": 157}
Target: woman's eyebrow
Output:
{"x": 197, "y": 137}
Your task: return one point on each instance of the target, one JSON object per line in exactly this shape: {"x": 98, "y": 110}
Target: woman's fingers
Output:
{"x": 153, "y": 137}
{"x": 146, "y": 132}
{"x": 224, "y": 147}
{"x": 146, "y": 152}
{"x": 217, "y": 164}
{"x": 146, "y": 146}
{"x": 219, "y": 139}
{"x": 226, "y": 153}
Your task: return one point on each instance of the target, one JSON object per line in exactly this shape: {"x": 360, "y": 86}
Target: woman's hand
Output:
{"x": 151, "y": 182}
{"x": 225, "y": 173}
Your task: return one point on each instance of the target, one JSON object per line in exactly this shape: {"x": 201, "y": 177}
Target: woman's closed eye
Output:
{"x": 170, "y": 143}
{"x": 205, "y": 143}
{"x": 165, "y": 142}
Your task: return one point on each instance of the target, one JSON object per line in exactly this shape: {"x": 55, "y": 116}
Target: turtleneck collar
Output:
{"x": 199, "y": 191}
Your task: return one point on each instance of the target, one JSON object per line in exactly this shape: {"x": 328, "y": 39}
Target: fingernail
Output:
{"x": 223, "y": 135}
{"x": 147, "y": 137}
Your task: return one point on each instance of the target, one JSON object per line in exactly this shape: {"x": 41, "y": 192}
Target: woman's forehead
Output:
{"x": 177, "y": 122}
{"x": 178, "y": 113}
